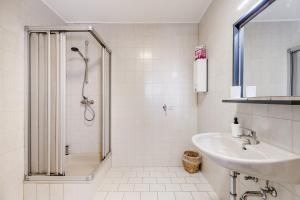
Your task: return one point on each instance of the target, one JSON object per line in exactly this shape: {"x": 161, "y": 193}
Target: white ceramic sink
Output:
{"x": 261, "y": 160}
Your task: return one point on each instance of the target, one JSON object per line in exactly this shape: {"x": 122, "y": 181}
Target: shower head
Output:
{"x": 74, "y": 49}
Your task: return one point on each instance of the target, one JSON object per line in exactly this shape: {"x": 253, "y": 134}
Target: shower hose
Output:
{"x": 87, "y": 105}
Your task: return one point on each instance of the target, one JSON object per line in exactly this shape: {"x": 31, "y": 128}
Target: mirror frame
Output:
{"x": 238, "y": 40}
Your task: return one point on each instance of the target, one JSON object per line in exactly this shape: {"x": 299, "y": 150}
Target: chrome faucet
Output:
{"x": 262, "y": 193}
{"x": 250, "y": 137}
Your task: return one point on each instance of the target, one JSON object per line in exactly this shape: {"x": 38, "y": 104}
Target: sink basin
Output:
{"x": 261, "y": 160}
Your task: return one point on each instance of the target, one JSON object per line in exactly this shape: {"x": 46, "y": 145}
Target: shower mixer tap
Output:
{"x": 87, "y": 101}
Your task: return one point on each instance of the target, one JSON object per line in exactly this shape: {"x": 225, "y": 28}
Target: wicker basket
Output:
{"x": 191, "y": 161}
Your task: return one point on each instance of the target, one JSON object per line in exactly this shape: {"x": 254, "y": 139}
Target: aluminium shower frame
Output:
{"x": 105, "y": 48}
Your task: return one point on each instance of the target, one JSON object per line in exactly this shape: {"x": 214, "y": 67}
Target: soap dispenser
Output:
{"x": 235, "y": 128}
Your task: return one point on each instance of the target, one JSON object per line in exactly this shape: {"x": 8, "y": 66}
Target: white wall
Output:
{"x": 83, "y": 136}
{"x": 151, "y": 66}
{"x": 14, "y": 14}
{"x": 277, "y": 125}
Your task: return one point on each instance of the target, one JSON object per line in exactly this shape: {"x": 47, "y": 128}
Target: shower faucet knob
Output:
{"x": 87, "y": 101}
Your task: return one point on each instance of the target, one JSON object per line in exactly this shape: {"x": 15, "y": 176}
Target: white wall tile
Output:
{"x": 56, "y": 192}
{"x": 262, "y": 110}
{"x": 29, "y": 191}
{"x": 296, "y": 137}
{"x": 146, "y": 74}
{"x": 42, "y": 192}
{"x": 70, "y": 192}
{"x": 280, "y": 111}
{"x": 281, "y": 133}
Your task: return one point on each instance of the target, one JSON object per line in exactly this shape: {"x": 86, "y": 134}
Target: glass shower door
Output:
{"x": 47, "y": 104}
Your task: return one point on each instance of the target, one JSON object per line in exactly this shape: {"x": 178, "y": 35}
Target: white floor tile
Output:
{"x": 141, "y": 187}
{"x": 173, "y": 187}
{"x": 156, "y": 174}
{"x": 175, "y": 169}
{"x": 115, "y": 196}
{"x": 143, "y": 174}
{"x": 119, "y": 180}
{"x": 193, "y": 180}
{"x": 204, "y": 187}
{"x": 157, "y": 187}
{"x": 178, "y": 180}
{"x": 137, "y": 169}
{"x": 213, "y": 195}
{"x": 114, "y": 174}
{"x": 183, "y": 196}
{"x": 109, "y": 187}
{"x": 148, "y": 195}
{"x": 154, "y": 183}
{"x": 130, "y": 174}
{"x": 100, "y": 196}
{"x": 135, "y": 180}
{"x": 119, "y": 169}
{"x": 132, "y": 196}
{"x": 200, "y": 176}
{"x": 163, "y": 180}
{"x": 201, "y": 196}
{"x": 108, "y": 180}
{"x": 149, "y": 180}
{"x": 169, "y": 174}
{"x": 188, "y": 187}
{"x": 126, "y": 188}
{"x": 182, "y": 174}
{"x": 166, "y": 196}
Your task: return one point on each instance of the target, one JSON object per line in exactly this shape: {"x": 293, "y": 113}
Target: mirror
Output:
{"x": 267, "y": 50}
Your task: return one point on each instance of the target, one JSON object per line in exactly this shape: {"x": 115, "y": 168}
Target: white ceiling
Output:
{"x": 281, "y": 10}
{"x": 129, "y": 11}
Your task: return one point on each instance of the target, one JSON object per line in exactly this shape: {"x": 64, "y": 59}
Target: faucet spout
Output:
{"x": 251, "y": 136}
{"x": 253, "y": 194}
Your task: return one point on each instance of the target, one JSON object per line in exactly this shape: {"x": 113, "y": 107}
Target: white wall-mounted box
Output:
{"x": 200, "y": 75}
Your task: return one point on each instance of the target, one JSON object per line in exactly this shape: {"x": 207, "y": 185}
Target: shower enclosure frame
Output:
{"x": 105, "y": 48}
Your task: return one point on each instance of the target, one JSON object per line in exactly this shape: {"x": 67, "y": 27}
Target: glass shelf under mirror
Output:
{"x": 266, "y": 100}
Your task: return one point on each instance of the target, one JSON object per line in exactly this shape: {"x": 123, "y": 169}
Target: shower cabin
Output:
{"x": 68, "y": 123}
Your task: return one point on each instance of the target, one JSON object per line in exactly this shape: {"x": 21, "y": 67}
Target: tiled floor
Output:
{"x": 154, "y": 183}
